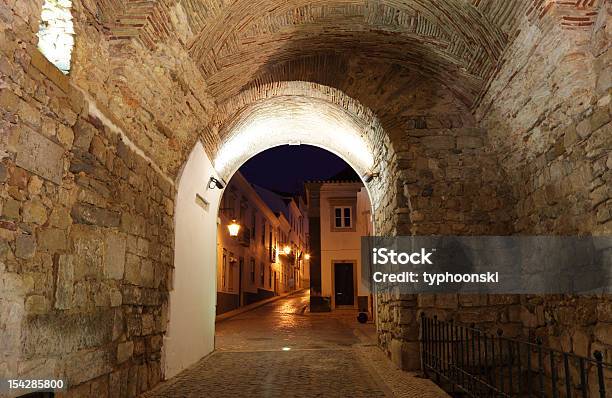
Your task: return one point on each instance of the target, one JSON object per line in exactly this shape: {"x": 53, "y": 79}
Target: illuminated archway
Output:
{"x": 300, "y": 112}
{"x": 287, "y": 113}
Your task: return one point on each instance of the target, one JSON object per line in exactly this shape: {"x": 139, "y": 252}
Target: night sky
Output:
{"x": 286, "y": 167}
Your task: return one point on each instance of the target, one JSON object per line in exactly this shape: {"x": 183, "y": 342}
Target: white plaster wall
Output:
{"x": 341, "y": 246}
{"x": 191, "y": 326}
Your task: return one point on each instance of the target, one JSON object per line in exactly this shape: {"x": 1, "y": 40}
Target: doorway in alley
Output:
{"x": 344, "y": 289}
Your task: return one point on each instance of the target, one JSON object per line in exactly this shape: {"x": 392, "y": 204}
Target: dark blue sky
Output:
{"x": 286, "y": 167}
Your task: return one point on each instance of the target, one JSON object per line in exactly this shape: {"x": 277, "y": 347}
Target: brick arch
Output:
{"x": 255, "y": 116}
{"x": 453, "y": 41}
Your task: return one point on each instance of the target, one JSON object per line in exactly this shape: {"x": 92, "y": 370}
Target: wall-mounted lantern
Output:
{"x": 233, "y": 228}
{"x": 287, "y": 250}
{"x": 306, "y": 256}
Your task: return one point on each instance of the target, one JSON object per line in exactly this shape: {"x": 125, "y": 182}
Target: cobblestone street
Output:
{"x": 282, "y": 350}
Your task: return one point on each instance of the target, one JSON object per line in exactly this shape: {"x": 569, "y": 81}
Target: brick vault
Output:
{"x": 482, "y": 118}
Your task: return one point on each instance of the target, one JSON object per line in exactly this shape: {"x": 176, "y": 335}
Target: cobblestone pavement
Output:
{"x": 281, "y": 350}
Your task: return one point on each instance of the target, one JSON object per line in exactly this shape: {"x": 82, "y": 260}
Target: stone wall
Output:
{"x": 155, "y": 89}
{"x": 547, "y": 113}
{"x": 542, "y": 153}
{"x": 86, "y": 233}
{"x": 86, "y": 198}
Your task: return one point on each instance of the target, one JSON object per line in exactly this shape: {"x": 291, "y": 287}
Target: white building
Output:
{"x": 267, "y": 257}
{"x": 343, "y": 209}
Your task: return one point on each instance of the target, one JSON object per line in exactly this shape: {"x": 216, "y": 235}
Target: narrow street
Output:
{"x": 282, "y": 350}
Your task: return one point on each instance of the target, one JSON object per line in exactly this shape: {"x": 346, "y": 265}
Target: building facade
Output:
{"x": 266, "y": 258}
{"x": 341, "y": 212}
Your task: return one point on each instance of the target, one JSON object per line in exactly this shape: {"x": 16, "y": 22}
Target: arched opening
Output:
{"x": 356, "y": 137}
{"x": 56, "y": 33}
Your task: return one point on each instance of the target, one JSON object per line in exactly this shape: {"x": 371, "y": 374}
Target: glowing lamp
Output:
{"x": 287, "y": 250}
{"x": 233, "y": 228}
{"x": 307, "y": 256}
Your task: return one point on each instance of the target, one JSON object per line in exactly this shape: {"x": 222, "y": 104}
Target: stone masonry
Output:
{"x": 494, "y": 119}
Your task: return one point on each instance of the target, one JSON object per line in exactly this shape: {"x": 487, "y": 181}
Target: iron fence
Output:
{"x": 471, "y": 362}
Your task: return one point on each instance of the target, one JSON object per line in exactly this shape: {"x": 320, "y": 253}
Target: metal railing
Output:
{"x": 473, "y": 363}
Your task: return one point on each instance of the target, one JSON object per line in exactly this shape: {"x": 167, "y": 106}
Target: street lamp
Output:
{"x": 287, "y": 250}
{"x": 306, "y": 256}
{"x": 233, "y": 228}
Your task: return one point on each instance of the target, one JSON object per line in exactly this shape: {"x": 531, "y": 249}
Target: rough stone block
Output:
{"x": 52, "y": 239}
{"x": 599, "y": 118}
{"x": 34, "y": 212}
{"x": 132, "y": 270}
{"x": 118, "y": 384}
{"x": 40, "y": 155}
{"x": 83, "y": 134}
{"x": 147, "y": 271}
{"x": 37, "y": 304}
{"x": 25, "y": 246}
{"x": 40, "y": 62}
{"x": 472, "y": 300}
{"x": 60, "y": 218}
{"x": 87, "y": 365}
{"x": 60, "y": 333}
{"x": 469, "y": 142}
{"x": 603, "y": 333}
{"x": 584, "y": 128}
{"x": 65, "y": 136}
{"x": 65, "y": 282}
{"x": 133, "y": 224}
{"x": 3, "y": 173}
{"x": 581, "y": 343}
{"x": 426, "y": 300}
{"x": 9, "y": 102}
{"x": 88, "y": 214}
{"x": 11, "y": 209}
{"x": 148, "y": 324}
{"x": 114, "y": 255}
{"x": 438, "y": 142}
{"x": 124, "y": 351}
{"x": 484, "y": 315}
{"x": 447, "y": 301}
{"x": 115, "y": 297}
{"x": 604, "y": 311}
{"x": 29, "y": 114}
{"x": 89, "y": 252}
{"x": 405, "y": 355}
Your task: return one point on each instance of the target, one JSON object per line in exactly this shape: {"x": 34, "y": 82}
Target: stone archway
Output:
{"x": 290, "y": 113}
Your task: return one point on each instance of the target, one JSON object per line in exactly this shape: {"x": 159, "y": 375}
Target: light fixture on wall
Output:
{"x": 214, "y": 183}
{"x": 307, "y": 256}
{"x": 287, "y": 250}
{"x": 369, "y": 176}
{"x": 233, "y": 228}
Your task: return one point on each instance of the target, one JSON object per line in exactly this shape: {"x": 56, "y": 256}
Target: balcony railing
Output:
{"x": 474, "y": 363}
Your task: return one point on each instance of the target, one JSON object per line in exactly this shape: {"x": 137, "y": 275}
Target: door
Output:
{"x": 344, "y": 288}
{"x": 240, "y": 271}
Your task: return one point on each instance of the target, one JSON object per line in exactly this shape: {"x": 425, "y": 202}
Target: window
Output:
{"x": 55, "y": 33}
{"x": 254, "y": 224}
{"x": 252, "y": 270}
{"x": 270, "y": 276}
{"x": 230, "y": 280}
{"x": 271, "y": 248}
{"x": 224, "y": 269}
{"x": 343, "y": 217}
{"x": 263, "y": 232}
{"x": 243, "y": 210}
{"x": 262, "y": 274}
